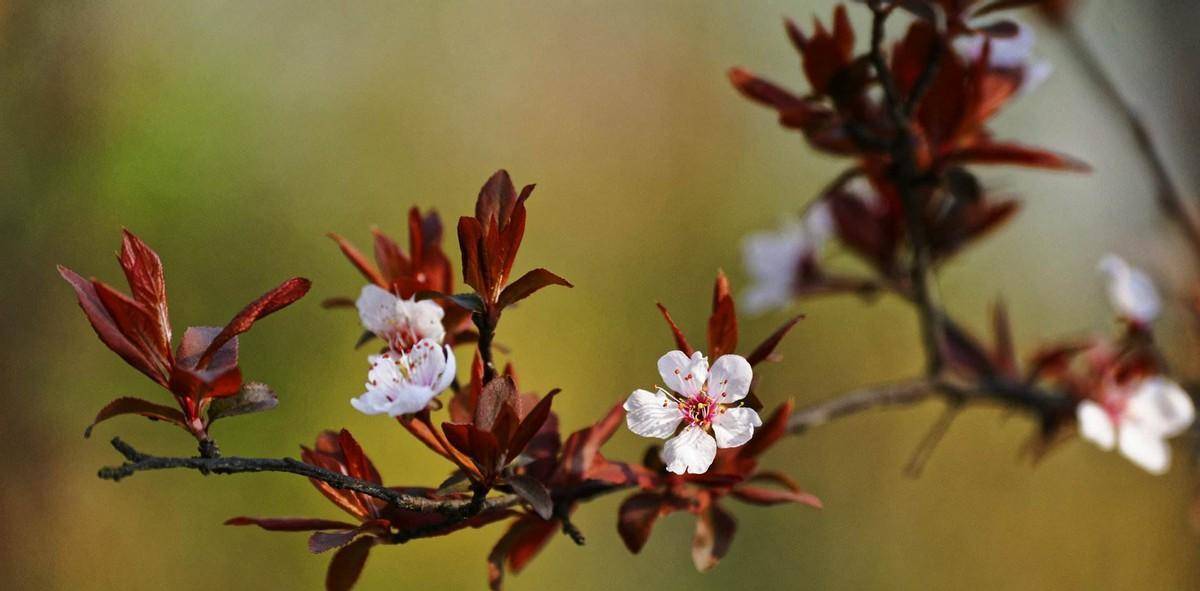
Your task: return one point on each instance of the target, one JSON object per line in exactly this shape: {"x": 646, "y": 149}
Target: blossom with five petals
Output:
{"x": 702, "y": 401}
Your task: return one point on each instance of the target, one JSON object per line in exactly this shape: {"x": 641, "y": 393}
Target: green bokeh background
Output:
{"x": 232, "y": 135}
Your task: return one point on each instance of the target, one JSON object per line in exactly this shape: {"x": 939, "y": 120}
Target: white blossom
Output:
{"x": 401, "y": 322}
{"x": 404, "y": 383}
{"x": 703, "y": 402}
{"x": 1138, "y": 421}
{"x": 775, "y": 259}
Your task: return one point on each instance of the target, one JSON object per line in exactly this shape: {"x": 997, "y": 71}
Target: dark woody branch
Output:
{"x": 139, "y": 462}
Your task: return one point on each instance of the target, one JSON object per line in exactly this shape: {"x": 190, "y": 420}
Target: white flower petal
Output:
{"x": 735, "y": 426}
{"x": 1130, "y": 291}
{"x": 1144, "y": 448}
{"x": 1095, "y": 424}
{"x": 376, "y": 309}
{"x": 729, "y": 379}
{"x": 410, "y": 398}
{"x": 683, "y": 375}
{"x": 690, "y": 452}
{"x": 448, "y": 373}
{"x": 423, "y": 318}
{"x": 1160, "y": 406}
{"x": 774, "y": 258}
{"x": 652, "y": 414}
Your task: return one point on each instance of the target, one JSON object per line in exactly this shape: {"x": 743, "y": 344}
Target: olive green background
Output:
{"x": 232, "y": 135}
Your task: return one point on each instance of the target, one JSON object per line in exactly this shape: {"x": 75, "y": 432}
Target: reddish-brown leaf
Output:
{"x": 531, "y": 424}
{"x": 1017, "y": 155}
{"x": 528, "y": 284}
{"x": 636, "y": 518}
{"x": 286, "y": 293}
{"x": 481, "y": 446}
{"x": 391, "y": 260}
{"x": 680, "y": 341}
{"x": 106, "y": 328}
{"x": 137, "y": 323}
{"x": 347, "y": 564}
{"x": 714, "y": 535}
{"x": 790, "y": 493}
{"x": 497, "y": 394}
{"x": 764, "y": 350}
{"x": 534, "y": 493}
{"x": 359, "y": 261}
{"x": 722, "y": 323}
{"x": 136, "y": 406}
{"x": 358, "y": 464}
{"x": 523, "y": 540}
{"x": 144, "y": 272}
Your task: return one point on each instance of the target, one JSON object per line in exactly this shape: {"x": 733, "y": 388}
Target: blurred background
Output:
{"x": 232, "y": 136}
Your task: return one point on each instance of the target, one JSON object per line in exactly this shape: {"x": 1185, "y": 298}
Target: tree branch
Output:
{"x": 139, "y": 462}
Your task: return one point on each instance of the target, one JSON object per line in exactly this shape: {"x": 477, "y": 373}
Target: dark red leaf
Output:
{"x": 531, "y": 424}
{"x": 287, "y": 292}
{"x": 714, "y": 535}
{"x": 523, "y": 540}
{"x": 481, "y": 446}
{"x": 680, "y": 340}
{"x": 137, "y": 406}
{"x": 137, "y": 323}
{"x": 347, "y": 564}
{"x": 791, "y": 493}
{"x": 359, "y": 261}
{"x": 764, "y": 350}
{"x": 144, "y": 272}
{"x": 534, "y": 493}
{"x": 391, "y": 260}
{"x": 637, "y": 516}
{"x": 106, "y": 328}
{"x": 497, "y": 394}
{"x": 358, "y": 464}
{"x": 528, "y": 284}
{"x": 470, "y": 242}
{"x": 324, "y": 541}
{"x": 722, "y": 323}
{"x": 1017, "y": 155}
